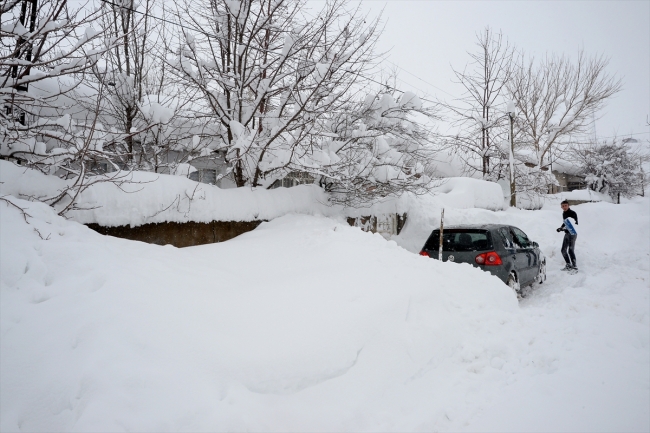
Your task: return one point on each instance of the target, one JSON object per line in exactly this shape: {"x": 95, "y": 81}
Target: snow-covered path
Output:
{"x": 307, "y": 324}
{"x": 593, "y": 326}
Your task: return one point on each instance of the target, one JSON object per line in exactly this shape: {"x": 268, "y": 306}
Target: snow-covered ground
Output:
{"x": 307, "y": 324}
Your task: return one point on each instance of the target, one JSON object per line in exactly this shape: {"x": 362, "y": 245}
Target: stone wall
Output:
{"x": 189, "y": 234}
{"x": 180, "y": 234}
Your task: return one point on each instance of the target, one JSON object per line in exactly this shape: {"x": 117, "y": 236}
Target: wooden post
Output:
{"x": 513, "y": 188}
{"x": 442, "y": 224}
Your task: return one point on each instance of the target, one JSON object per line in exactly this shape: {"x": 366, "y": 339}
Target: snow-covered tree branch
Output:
{"x": 481, "y": 113}
{"x": 287, "y": 89}
{"x": 47, "y": 49}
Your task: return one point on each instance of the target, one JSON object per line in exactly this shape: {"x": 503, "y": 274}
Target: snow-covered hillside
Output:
{"x": 307, "y": 324}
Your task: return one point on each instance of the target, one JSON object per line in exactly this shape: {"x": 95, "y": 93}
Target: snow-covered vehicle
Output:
{"x": 504, "y": 251}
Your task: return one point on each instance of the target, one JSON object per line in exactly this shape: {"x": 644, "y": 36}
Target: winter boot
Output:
{"x": 568, "y": 267}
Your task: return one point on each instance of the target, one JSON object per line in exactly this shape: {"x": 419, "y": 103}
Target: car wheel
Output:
{"x": 514, "y": 284}
{"x": 541, "y": 275}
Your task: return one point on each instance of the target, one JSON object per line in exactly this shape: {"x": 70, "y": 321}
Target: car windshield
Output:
{"x": 460, "y": 240}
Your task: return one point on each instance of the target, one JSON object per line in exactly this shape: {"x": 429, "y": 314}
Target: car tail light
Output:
{"x": 489, "y": 259}
{"x": 424, "y": 253}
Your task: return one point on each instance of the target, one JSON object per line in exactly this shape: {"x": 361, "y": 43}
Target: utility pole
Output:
{"x": 642, "y": 180}
{"x": 513, "y": 193}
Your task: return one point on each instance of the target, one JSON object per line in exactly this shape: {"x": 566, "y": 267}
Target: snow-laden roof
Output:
{"x": 584, "y": 195}
{"x": 566, "y": 167}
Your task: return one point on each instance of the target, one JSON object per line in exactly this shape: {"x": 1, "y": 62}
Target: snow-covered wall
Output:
{"x": 155, "y": 198}
{"x": 466, "y": 192}
{"x": 584, "y": 195}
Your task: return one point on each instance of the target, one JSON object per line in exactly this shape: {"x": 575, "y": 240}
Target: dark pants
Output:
{"x": 568, "y": 246}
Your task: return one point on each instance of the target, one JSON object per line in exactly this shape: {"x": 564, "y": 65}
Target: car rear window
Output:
{"x": 460, "y": 240}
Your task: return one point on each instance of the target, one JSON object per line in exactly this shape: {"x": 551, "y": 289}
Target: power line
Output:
{"x": 184, "y": 27}
{"x": 624, "y": 135}
{"x": 252, "y": 47}
{"x": 424, "y": 81}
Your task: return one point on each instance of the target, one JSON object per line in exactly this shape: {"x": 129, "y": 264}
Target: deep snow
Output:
{"x": 307, "y": 324}
{"x": 146, "y": 197}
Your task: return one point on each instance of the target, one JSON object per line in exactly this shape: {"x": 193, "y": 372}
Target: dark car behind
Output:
{"x": 504, "y": 251}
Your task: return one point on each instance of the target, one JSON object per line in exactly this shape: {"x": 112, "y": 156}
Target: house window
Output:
{"x": 204, "y": 175}
{"x": 99, "y": 167}
{"x": 576, "y": 185}
{"x": 293, "y": 179}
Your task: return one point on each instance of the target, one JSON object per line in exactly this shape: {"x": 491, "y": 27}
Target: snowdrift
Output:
{"x": 155, "y": 198}
{"x": 465, "y": 192}
{"x": 105, "y": 334}
{"x": 584, "y": 195}
{"x": 307, "y": 324}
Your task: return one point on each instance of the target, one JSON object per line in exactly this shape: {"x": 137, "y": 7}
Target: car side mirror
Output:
{"x": 534, "y": 244}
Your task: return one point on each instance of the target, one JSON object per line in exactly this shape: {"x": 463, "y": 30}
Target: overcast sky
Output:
{"x": 426, "y": 37}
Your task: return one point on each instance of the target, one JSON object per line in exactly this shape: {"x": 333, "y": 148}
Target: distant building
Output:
{"x": 568, "y": 177}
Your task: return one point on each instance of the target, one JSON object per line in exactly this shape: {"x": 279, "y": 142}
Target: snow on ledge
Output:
{"x": 466, "y": 192}
{"x": 157, "y": 198}
{"x": 584, "y": 195}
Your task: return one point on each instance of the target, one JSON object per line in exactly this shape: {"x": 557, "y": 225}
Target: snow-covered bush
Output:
{"x": 612, "y": 168}
{"x": 46, "y": 50}
{"x": 373, "y": 149}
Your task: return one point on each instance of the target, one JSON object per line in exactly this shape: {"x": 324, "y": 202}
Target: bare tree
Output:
{"x": 43, "y": 45}
{"x": 556, "y": 99}
{"x": 130, "y": 69}
{"x": 481, "y": 113}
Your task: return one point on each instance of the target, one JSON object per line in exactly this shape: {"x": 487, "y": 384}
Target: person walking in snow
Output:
{"x": 569, "y": 221}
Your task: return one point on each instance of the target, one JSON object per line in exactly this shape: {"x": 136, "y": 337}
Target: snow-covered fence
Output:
{"x": 384, "y": 224}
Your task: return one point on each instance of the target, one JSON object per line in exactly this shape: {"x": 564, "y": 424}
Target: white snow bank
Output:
{"x": 583, "y": 195}
{"x": 154, "y": 198}
{"x": 466, "y": 192}
{"x": 330, "y": 329}
{"x": 306, "y": 324}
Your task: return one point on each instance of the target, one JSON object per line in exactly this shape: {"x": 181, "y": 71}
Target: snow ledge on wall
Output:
{"x": 155, "y": 198}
